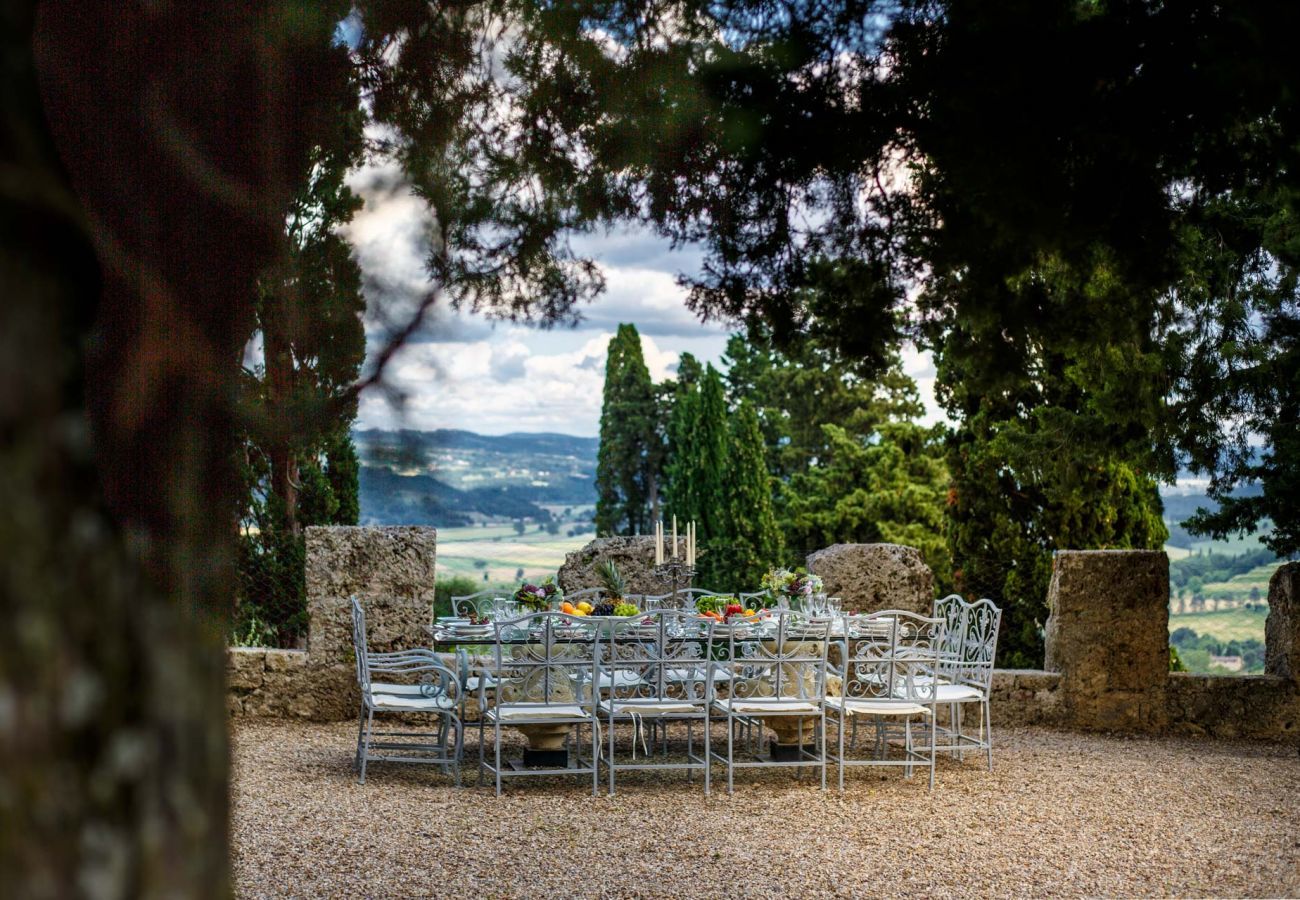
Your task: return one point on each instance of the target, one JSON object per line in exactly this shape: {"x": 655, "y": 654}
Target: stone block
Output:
{"x": 1108, "y": 636}
{"x": 871, "y": 577}
{"x": 285, "y": 660}
{"x": 634, "y": 556}
{"x": 390, "y": 570}
{"x": 1282, "y": 627}
{"x": 245, "y": 667}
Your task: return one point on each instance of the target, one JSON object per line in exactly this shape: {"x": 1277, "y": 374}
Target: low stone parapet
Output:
{"x": 1234, "y": 706}
{"x": 275, "y": 683}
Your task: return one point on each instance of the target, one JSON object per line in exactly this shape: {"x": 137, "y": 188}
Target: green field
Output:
{"x": 1241, "y": 585}
{"x": 1224, "y": 625}
{"x": 499, "y": 552}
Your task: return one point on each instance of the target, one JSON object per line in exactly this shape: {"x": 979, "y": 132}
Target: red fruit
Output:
{"x": 735, "y": 609}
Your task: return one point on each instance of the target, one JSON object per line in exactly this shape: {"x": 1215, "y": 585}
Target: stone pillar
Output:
{"x": 1282, "y": 627}
{"x": 391, "y": 571}
{"x": 634, "y": 556}
{"x": 870, "y": 577}
{"x": 1108, "y": 636}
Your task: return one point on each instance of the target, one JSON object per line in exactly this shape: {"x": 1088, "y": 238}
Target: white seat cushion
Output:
{"x": 877, "y": 707}
{"x": 402, "y": 690}
{"x": 473, "y": 681}
{"x": 554, "y": 711}
{"x": 696, "y": 673}
{"x": 768, "y": 705}
{"x": 652, "y": 707}
{"x": 409, "y": 703}
{"x": 952, "y": 693}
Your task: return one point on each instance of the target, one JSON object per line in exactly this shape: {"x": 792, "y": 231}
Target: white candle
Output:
{"x": 674, "y": 537}
{"x": 659, "y": 543}
{"x": 690, "y": 544}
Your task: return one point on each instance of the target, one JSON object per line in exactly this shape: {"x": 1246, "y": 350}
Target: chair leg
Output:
{"x": 708, "y": 759}
{"x": 497, "y": 742}
{"x": 986, "y": 721}
{"x": 822, "y": 730}
{"x": 934, "y": 722}
{"x": 365, "y": 747}
{"x": 361, "y": 730}
{"x": 595, "y": 753}
{"x": 839, "y": 733}
{"x": 731, "y": 726}
{"x": 609, "y": 763}
{"x": 459, "y": 727}
{"x": 907, "y": 746}
{"x": 961, "y": 753}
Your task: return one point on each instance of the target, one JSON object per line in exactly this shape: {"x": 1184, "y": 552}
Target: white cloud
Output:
{"x": 462, "y": 385}
{"x": 463, "y": 371}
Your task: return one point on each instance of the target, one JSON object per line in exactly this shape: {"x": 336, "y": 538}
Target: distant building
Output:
{"x": 1230, "y": 663}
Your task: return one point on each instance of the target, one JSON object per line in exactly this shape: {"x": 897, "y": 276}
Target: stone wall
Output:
{"x": 634, "y": 556}
{"x": 1021, "y": 697}
{"x": 1234, "y": 706}
{"x": 1108, "y": 636}
{"x": 391, "y": 571}
{"x": 263, "y": 682}
{"x": 871, "y": 577}
{"x": 1282, "y": 627}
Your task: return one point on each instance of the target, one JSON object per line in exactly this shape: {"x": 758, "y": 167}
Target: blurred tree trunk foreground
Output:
{"x": 146, "y": 159}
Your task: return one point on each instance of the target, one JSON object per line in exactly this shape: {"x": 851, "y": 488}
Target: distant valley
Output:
{"x": 458, "y": 478}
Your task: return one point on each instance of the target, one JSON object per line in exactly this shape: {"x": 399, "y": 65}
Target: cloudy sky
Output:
{"x": 493, "y": 378}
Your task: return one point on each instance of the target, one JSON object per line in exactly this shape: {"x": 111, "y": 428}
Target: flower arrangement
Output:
{"x": 539, "y": 597}
{"x": 796, "y": 583}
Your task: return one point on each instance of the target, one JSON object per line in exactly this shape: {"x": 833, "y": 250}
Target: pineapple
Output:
{"x": 612, "y": 581}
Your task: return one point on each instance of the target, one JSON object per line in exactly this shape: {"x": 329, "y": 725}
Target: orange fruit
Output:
{"x": 567, "y": 607}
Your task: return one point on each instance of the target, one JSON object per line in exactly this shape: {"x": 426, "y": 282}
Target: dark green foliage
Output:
{"x": 343, "y": 470}
{"x": 446, "y": 588}
{"x": 754, "y": 543}
{"x": 681, "y": 487}
{"x": 300, "y": 467}
{"x": 629, "y": 457}
{"x": 849, "y": 462}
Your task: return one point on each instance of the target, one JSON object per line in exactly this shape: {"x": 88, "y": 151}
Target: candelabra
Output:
{"x": 678, "y": 573}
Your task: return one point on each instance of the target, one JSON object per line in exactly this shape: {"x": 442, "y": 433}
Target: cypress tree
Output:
{"x": 704, "y": 468}
{"x": 752, "y": 533}
{"x": 628, "y": 433}
{"x": 682, "y": 424}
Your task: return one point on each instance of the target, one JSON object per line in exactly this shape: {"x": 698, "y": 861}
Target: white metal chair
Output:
{"x": 771, "y": 673}
{"x": 888, "y": 673}
{"x": 966, "y": 670}
{"x": 437, "y": 692}
{"x": 478, "y": 603}
{"x": 545, "y": 667}
{"x": 654, "y": 669}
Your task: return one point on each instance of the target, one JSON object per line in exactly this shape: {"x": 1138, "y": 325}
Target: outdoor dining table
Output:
{"x": 789, "y": 731}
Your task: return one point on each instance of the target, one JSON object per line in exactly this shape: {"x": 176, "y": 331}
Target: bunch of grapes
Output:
{"x": 603, "y": 609}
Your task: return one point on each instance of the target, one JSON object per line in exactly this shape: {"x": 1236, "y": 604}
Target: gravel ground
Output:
{"x": 1060, "y": 815}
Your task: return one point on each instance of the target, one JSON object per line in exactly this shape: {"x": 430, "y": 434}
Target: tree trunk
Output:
{"x": 278, "y": 359}
{"x": 175, "y": 127}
